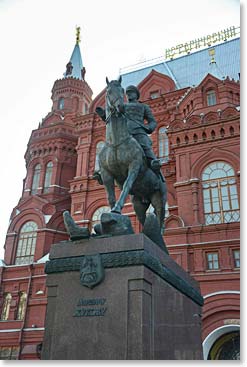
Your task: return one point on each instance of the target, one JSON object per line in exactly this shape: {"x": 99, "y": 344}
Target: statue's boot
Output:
{"x": 155, "y": 167}
{"x": 75, "y": 232}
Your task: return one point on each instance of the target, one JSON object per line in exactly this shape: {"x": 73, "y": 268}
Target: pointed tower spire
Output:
{"x": 213, "y": 66}
{"x": 78, "y": 31}
{"x": 75, "y": 68}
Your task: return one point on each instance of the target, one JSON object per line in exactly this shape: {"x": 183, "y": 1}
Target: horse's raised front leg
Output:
{"x": 108, "y": 182}
{"x": 134, "y": 169}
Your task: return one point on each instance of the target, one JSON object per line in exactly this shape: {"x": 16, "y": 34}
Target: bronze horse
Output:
{"x": 122, "y": 160}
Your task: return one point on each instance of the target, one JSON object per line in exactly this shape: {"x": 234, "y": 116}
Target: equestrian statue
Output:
{"x": 127, "y": 157}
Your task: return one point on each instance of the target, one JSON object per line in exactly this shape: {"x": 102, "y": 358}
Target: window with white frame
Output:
{"x": 36, "y": 179}
{"x": 7, "y": 298}
{"x": 163, "y": 145}
{"x": 99, "y": 146}
{"x": 61, "y": 104}
{"x": 220, "y": 195}
{"x": 212, "y": 261}
{"x": 48, "y": 175}
{"x": 9, "y": 352}
{"x": 236, "y": 258}
{"x": 26, "y": 244}
{"x": 21, "y": 306}
{"x": 97, "y": 214}
{"x": 211, "y": 98}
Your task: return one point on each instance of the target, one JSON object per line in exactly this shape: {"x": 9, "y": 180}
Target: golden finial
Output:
{"x": 212, "y": 53}
{"x": 78, "y": 30}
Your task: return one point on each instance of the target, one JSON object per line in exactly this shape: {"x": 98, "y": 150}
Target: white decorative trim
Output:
{"x": 211, "y": 242}
{"x": 200, "y": 243}
{"x": 82, "y": 221}
{"x": 214, "y": 335}
{"x": 22, "y": 278}
{"x": 26, "y": 329}
{"x": 50, "y": 230}
{"x": 220, "y": 292}
{"x": 9, "y": 330}
{"x": 181, "y": 183}
{"x": 11, "y": 279}
{"x": 11, "y": 234}
{"x": 61, "y": 187}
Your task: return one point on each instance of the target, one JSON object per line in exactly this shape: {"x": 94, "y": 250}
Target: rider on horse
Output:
{"x": 136, "y": 113}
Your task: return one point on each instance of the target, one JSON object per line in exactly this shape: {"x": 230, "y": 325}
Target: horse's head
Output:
{"x": 114, "y": 95}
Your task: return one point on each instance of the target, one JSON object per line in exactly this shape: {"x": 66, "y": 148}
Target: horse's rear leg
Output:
{"x": 140, "y": 208}
{"x": 159, "y": 203}
{"x": 108, "y": 182}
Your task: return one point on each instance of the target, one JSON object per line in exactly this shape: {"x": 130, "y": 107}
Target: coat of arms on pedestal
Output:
{"x": 92, "y": 271}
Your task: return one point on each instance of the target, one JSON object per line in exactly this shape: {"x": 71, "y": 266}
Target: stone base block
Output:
{"x": 120, "y": 298}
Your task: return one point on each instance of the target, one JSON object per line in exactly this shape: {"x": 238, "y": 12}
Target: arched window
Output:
{"x": 36, "y": 178}
{"x": 85, "y": 108}
{"x": 99, "y": 146}
{"x": 97, "y": 214}
{"x": 163, "y": 145}
{"x": 7, "y": 353}
{"x": 75, "y": 104}
{"x": 7, "y": 298}
{"x": 48, "y": 174}
{"x": 61, "y": 104}
{"x": 220, "y": 195}
{"x": 26, "y": 244}
{"x": 211, "y": 98}
{"x": 21, "y": 306}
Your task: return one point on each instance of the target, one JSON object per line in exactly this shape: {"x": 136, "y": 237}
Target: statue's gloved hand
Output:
{"x": 121, "y": 108}
{"x": 101, "y": 112}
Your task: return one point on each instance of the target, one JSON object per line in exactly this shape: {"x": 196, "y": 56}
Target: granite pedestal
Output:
{"x": 143, "y": 307}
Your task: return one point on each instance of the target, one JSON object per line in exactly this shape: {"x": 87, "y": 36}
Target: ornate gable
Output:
{"x": 176, "y": 125}
{"x": 229, "y": 112}
{"x": 193, "y": 120}
{"x": 209, "y": 82}
{"x": 155, "y": 84}
{"x": 211, "y": 117}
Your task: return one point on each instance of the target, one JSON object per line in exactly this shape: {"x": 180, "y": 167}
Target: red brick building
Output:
{"x": 195, "y": 100}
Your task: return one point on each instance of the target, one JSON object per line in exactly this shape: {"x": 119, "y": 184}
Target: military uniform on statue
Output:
{"x": 137, "y": 113}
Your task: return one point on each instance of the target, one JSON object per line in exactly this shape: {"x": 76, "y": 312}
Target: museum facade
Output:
{"x": 195, "y": 99}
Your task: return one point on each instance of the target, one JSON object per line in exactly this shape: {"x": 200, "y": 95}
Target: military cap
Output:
{"x": 132, "y": 88}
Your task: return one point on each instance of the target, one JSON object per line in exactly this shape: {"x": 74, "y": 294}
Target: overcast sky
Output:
{"x": 38, "y": 37}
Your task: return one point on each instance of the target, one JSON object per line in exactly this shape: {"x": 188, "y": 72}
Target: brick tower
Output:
{"x": 36, "y": 222}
